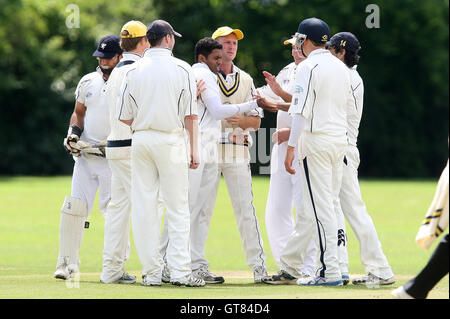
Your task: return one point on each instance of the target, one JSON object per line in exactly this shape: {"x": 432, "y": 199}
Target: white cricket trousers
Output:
{"x": 159, "y": 162}
{"x": 355, "y": 211}
{"x": 117, "y": 221}
{"x": 201, "y": 187}
{"x": 238, "y": 178}
{"x": 90, "y": 174}
{"x": 318, "y": 216}
{"x": 285, "y": 192}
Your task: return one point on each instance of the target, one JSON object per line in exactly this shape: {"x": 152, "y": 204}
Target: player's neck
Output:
{"x": 226, "y": 67}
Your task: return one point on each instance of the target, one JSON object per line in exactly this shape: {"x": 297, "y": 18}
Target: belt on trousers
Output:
{"x": 118, "y": 143}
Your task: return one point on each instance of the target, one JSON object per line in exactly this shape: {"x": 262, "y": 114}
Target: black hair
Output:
{"x": 350, "y": 58}
{"x": 205, "y": 46}
{"x": 155, "y": 42}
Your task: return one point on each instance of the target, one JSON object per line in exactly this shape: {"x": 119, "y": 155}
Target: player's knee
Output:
{"x": 74, "y": 206}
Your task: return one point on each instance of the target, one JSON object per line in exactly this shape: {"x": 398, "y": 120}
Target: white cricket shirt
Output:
{"x": 285, "y": 78}
{"x": 210, "y": 108}
{"x": 205, "y": 120}
{"x": 120, "y": 134}
{"x": 158, "y": 92}
{"x": 91, "y": 91}
{"x": 322, "y": 94}
{"x": 355, "y": 109}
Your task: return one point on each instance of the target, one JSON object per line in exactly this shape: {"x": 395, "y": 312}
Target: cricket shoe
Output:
{"x": 126, "y": 278}
{"x": 208, "y": 276}
{"x": 65, "y": 271}
{"x": 282, "y": 278}
{"x": 345, "y": 279}
{"x": 372, "y": 280}
{"x": 62, "y": 272}
{"x": 259, "y": 273}
{"x": 147, "y": 281}
{"x": 189, "y": 281}
{"x": 318, "y": 281}
{"x": 165, "y": 276}
{"x": 400, "y": 293}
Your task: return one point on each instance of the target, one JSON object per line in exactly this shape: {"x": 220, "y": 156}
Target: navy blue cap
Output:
{"x": 108, "y": 47}
{"x": 160, "y": 28}
{"x": 345, "y": 40}
{"x": 315, "y": 29}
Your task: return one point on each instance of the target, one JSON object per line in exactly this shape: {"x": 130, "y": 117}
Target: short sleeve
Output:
{"x": 80, "y": 92}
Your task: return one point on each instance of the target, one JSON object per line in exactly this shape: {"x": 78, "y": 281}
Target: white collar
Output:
{"x": 319, "y": 51}
{"x": 130, "y": 56}
{"x": 158, "y": 52}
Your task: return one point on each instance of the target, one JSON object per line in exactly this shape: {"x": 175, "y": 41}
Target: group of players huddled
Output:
{"x": 170, "y": 130}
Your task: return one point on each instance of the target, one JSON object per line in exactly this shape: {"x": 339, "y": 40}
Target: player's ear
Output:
{"x": 201, "y": 58}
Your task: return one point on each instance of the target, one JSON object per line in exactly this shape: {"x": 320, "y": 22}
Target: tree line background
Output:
{"x": 404, "y": 65}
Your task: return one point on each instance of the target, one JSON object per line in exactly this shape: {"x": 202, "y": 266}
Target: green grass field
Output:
{"x": 29, "y": 230}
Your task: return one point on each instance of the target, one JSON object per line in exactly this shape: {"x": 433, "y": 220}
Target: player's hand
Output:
{"x": 234, "y": 120}
{"x": 200, "y": 87}
{"x": 266, "y": 104}
{"x": 289, "y": 159}
{"x": 195, "y": 160}
{"x": 272, "y": 83}
{"x": 281, "y": 135}
{"x": 72, "y": 138}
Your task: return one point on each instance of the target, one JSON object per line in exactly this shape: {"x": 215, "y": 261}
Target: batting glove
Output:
{"x": 73, "y": 135}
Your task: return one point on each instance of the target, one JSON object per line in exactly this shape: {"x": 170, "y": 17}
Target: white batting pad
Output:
{"x": 73, "y": 214}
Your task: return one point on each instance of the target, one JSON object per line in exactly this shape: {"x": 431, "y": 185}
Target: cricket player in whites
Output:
{"x": 236, "y": 87}
{"x": 345, "y": 46}
{"x": 89, "y": 123}
{"x": 321, "y": 97}
{"x": 118, "y": 151}
{"x": 285, "y": 190}
{"x": 208, "y": 57}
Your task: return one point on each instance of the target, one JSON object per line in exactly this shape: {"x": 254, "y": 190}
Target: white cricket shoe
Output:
{"x": 318, "y": 281}
{"x": 372, "y": 280}
{"x": 147, "y": 281}
{"x": 189, "y": 281}
{"x": 400, "y": 293}
{"x": 208, "y": 276}
{"x": 126, "y": 278}
{"x": 62, "y": 272}
{"x": 259, "y": 272}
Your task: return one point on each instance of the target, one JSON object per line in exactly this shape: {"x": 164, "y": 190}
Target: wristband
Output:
{"x": 74, "y": 129}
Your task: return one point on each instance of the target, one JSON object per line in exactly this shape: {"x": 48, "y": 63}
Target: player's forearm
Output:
{"x": 284, "y": 95}
{"x": 78, "y": 115}
{"x": 250, "y": 122}
{"x": 296, "y": 129}
{"x": 221, "y": 111}
{"x": 191, "y": 125}
{"x": 283, "y": 106}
